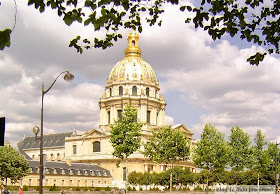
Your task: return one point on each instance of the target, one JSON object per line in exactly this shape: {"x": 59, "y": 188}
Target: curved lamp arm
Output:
{"x": 68, "y": 77}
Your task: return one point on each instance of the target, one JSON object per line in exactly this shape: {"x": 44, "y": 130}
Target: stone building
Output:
{"x": 131, "y": 81}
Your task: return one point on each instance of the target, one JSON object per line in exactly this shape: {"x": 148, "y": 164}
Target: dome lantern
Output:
{"x": 132, "y": 47}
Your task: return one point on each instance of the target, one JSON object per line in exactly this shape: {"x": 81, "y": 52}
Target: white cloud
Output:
{"x": 210, "y": 76}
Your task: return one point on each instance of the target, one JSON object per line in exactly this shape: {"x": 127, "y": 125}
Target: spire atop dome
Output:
{"x": 132, "y": 47}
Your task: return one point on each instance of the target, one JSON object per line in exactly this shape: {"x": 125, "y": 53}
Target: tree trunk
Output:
{"x": 126, "y": 176}
{"x": 171, "y": 177}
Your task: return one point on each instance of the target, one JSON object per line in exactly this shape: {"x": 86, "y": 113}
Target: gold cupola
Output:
{"x": 132, "y": 67}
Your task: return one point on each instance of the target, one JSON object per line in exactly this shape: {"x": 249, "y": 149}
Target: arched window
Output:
{"x": 120, "y": 115}
{"x": 109, "y": 117}
{"x": 134, "y": 90}
{"x": 147, "y": 91}
{"x": 110, "y": 92}
{"x": 148, "y": 117}
{"x": 120, "y": 90}
{"x": 96, "y": 146}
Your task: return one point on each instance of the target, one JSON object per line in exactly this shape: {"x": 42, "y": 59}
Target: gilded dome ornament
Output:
{"x": 132, "y": 65}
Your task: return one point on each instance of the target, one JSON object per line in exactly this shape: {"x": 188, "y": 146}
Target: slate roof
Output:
{"x": 62, "y": 168}
{"x": 51, "y": 140}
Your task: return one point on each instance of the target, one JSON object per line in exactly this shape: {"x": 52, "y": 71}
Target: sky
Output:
{"x": 201, "y": 80}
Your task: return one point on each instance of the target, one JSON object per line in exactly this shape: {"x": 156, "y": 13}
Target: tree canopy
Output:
{"x": 12, "y": 165}
{"x": 168, "y": 145}
{"x": 240, "y": 152}
{"x": 211, "y": 152}
{"x": 125, "y": 133}
{"x": 255, "y": 21}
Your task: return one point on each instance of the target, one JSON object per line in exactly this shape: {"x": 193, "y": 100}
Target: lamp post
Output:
{"x": 276, "y": 174}
{"x": 68, "y": 77}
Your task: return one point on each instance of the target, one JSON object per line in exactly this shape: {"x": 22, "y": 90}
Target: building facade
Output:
{"x": 131, "y": 81}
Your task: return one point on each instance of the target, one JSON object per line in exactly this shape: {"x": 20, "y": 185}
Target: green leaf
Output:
{"x": 182, "y": 8}
{"x": 5, "y": 38}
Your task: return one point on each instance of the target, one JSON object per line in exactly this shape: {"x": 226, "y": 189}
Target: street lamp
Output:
{"x": 68, "y": 77}
{"x": 276, "y": 174}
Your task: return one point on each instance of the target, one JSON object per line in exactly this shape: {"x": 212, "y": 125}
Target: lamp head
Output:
{"x": 68, "y": 76}
{"x": 36, "y": 130}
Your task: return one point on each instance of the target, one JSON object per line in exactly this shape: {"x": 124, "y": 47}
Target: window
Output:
{"x": 96, "y": 146}
{"x": 149, "y": 117}
{"x": 71, "y": 182}
{"x": 62, "y": 182}
{"x": 147, "y": 91}
{"x": 85, "y": 183}
{"x": 110, "y": 92}
{"x": 74, "y": 149}
{"x": 109, "y": 118}
{"x": 78, "y": 183}
{"x": 124, "y": 174}
{"x": 46, "y": 182}
{"x": 92, "y": 183}
{"x": 29, "y": 182}
{"x": 120, "y": 115}
{"x": 120, "y": 90}
{"x": 134, "y": 90}
{"x": 54, "y": 182}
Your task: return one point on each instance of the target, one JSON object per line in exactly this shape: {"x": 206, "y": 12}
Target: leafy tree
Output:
{"x": 240, "y": 154}
{"x": 254, "y": 21}
{"x": 211, "y": 153}
{"x": 272, "y": 149}
{"x": 12, "y": 165}
{"x": 134, "y": 178}
{"x": 262, "y": 160}
{"x": 125, "y": 134}
{"x": 168, "y": 146}
{"x": 145, "y": 179}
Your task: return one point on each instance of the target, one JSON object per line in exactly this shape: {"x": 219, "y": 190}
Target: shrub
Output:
{"x": 133, "y": 189}
{"x": 129, "y": 188}
{"x": 76, "y": 189}
{"x": 53, "y": 188}
{"x": 85, "y": 189}
{"x": 140, "y": 189}
{"x": 198, "y": 188}
{"x": 96, "y": 189}
{"x": 108, "y": 189}
{"x": 25, "y": 188}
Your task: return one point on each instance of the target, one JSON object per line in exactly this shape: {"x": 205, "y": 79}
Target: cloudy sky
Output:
{"x": 202, "y": 81}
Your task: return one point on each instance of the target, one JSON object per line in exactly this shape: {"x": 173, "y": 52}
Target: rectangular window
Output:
{"x": 71, "y": 182}
{"x": 109, "y": 117}
{"x": 149, "y": 117}
{"x": 54, "y": 182}
{"x": 30, "y": 182}
{"x": 74, "y": 149}
{"x": 120, "y": 115}
{"x": 46, "y": 182}
{"x": 62, "y": 182}
{"x": 124, "y": 174}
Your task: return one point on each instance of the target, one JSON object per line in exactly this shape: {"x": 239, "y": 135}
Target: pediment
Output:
{"x": 95, "y": 133}
{"x": 183, "y": 128}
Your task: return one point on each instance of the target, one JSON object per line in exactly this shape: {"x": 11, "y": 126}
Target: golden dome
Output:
{"x": 132, "y": 67}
